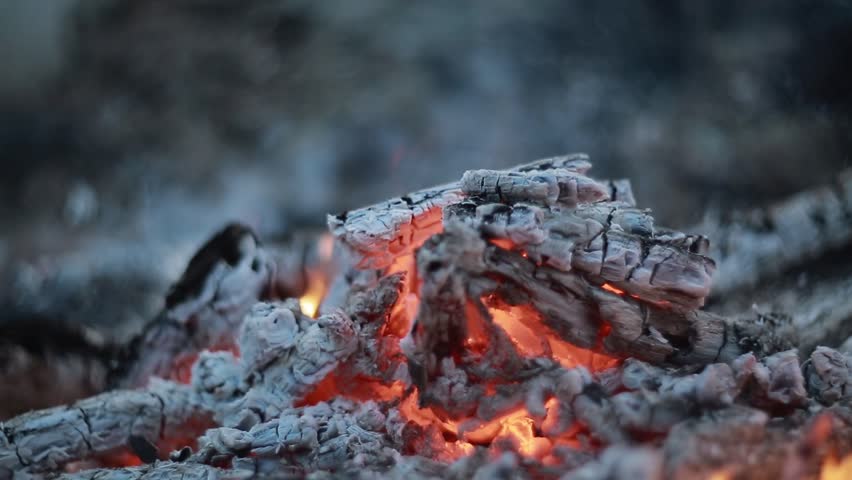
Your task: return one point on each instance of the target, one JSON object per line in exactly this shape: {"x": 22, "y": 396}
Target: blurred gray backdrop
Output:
{"x": 130, "y": 130}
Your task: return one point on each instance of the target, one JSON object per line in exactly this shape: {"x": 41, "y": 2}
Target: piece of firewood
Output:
{"x": 581, "y": 263}
{"x": 45, "y": 440}
{"x": 380, "y": 232}
{"x": 460, "y": 268}
{"x": 204, "y": 308}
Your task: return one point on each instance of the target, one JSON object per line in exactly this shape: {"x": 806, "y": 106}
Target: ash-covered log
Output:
{"x": 752, "y": 245}
{"x": 526, "y": 323}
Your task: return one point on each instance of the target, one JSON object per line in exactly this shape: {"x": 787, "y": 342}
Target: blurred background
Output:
{"x": 130, "y": 130}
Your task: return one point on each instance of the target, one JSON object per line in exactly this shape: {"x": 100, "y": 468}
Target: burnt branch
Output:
{"x": 751, "y": 245}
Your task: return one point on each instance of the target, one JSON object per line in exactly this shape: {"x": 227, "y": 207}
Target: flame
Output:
{"x": 833, "y": 469}
{"x": 317, "y": 278}
{"x": 309, "y": 303}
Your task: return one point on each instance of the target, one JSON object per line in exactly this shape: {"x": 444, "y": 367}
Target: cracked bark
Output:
{"x": 572, "y": 254}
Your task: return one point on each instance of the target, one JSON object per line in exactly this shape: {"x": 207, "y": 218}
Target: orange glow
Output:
{"x": 477, "y": 335}
{"x": 309, "y": 302}
{"x": 405, "y": 310}
{"x": 720, "y": 475}
{"x": 410, "y": 237}
{"x": 618, "y": 291}
{"x": 359, "y": 388}
{"x": 820, "y": 429}
{"x": 610, "y": 288}
{"x": 317, "y": 278}
{"x": 120, "y": 459}
{"x": 517, "y": 428}
{"x": 411, "y": 410}
{"x": 832, "y": 469}
{"x": 503, "y": 243}
{"x": 524, "y": 326}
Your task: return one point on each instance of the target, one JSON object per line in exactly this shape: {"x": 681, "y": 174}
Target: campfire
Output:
{"x": 522, "y": 323}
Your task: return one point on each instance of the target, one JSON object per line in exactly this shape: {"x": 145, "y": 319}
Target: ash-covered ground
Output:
{"x": 130, "y": 130}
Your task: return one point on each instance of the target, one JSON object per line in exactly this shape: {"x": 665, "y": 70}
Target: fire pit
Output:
{"x": 525, "y": 323}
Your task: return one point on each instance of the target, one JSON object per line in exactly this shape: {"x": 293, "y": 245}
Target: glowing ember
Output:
{"x": 121, "y": 459}
{"x": 424, "y": 416}
{"x": 359, "y": 388}
{"x": 516, "y": 430}
{"x": 532, "y": 338}
{"x": 610, "y": 288}
{"x": 405, "y": 310}
{"x": 503, "y": 243}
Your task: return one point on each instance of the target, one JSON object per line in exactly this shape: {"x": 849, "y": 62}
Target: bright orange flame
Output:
{"x": 524, "y": 326}
{"x": 317, "y": 287}
{"x": 517, "y": 429}
{"x": 832, "y": 469}
{"x": 309, "y": 302}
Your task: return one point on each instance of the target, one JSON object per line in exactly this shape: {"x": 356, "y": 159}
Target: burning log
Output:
{"x": 205, "y": 308}
{"x": 46, "y": 440}
{"x": 530, "y": 322}
{"x": 225, "y": 278}
{"x": 394, "y": 228}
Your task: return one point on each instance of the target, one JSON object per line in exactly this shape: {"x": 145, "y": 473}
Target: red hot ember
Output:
{"x": 529, "y": 323}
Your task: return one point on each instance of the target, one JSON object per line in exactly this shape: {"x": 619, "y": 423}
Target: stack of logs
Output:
{"x": 420, "y": 348}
